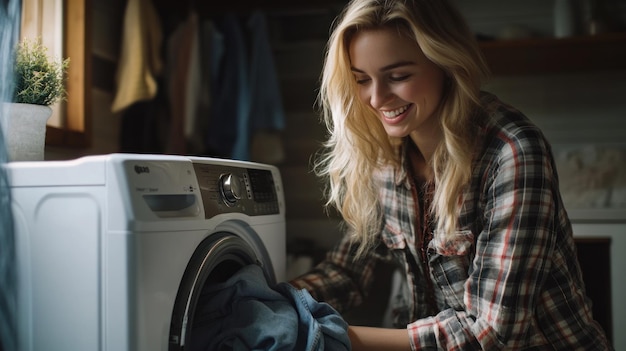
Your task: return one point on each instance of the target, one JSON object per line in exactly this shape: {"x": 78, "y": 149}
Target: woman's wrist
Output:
{"x": 368, "y": 338}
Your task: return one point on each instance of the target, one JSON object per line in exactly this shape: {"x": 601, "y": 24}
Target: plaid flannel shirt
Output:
{"x": 508, "y": 280}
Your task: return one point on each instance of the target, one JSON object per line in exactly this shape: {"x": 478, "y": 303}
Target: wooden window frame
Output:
{"x": 76, "y": 131}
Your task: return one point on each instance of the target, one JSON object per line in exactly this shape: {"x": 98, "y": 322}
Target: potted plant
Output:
{"x": 39, "y": 81}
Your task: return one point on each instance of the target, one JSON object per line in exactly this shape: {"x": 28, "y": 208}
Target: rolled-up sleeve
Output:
{"x": 340, "y": 280}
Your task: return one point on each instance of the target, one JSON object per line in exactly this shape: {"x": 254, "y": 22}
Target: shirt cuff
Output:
{"x": 422, "y": 334}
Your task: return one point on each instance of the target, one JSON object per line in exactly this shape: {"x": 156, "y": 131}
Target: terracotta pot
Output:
{"x": 24, "y": 127}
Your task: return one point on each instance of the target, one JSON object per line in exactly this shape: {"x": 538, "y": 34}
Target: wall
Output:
{"x": 299, "y": 56}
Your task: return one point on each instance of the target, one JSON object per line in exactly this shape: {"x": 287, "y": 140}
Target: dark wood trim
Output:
{"x": 594, "y": 256}
{"x": 547, "y": 56}
{"x": 77, "y": 41}
{"x": 66, "y": 138}
{"x": 104, "y": 71}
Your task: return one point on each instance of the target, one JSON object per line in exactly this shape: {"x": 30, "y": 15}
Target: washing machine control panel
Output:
{"x": 227, "y": 189}
{"x": 165, "y": 188}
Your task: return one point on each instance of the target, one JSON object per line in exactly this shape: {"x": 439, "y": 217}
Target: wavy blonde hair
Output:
{"x": 357, "y": 143}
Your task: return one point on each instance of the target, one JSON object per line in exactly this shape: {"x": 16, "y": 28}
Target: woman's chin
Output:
{"x": 396, "y": 132}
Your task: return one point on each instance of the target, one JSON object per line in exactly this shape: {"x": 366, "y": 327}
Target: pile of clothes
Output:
{"x": 245, "y": 313}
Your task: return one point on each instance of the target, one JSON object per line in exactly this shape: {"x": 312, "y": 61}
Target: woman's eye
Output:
{"x": 362, "y": 81}
{"x": 399, "y": 78}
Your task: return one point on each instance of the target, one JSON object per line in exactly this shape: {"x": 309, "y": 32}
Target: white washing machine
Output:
{"x": 114, "y": 250}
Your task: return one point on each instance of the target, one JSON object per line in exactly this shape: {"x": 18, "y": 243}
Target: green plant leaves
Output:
{"x": 38, "y": 79}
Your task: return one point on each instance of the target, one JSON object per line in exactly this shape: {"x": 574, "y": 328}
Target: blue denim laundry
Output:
{"x": 244, "y": 313}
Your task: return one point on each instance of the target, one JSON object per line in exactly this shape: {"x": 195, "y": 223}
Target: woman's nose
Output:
{"x": 379, "y": 95}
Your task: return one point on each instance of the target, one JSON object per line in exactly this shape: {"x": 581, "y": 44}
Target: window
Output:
{"x": 63, "y": 27}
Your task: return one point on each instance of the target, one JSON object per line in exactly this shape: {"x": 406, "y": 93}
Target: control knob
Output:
{"x": 230, "y": 188}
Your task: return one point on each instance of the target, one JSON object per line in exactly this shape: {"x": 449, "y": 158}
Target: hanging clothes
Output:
{"x": 182, "y": 82}
{"x": 220, "y": 84}
{"x": 246, "y": 98}
{"x": 266, "y": 106}
{"x": 140, "y": 58}
{"x": 229, "y": 87}
{"x": 196, "y": 127}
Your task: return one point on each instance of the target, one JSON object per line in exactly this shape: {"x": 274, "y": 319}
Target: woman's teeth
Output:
{"x": 395, "y": 113}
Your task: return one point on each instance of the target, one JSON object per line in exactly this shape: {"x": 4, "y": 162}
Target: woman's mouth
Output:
{"x": 393, "y": 115}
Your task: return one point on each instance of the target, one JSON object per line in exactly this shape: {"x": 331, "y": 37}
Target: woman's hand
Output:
{"x": 368, "y": 338}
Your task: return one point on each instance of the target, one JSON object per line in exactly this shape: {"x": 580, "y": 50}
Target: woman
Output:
{"x": 449, "y": 183}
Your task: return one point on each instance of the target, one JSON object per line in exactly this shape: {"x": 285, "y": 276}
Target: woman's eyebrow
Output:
{"x": 386, "y": 68}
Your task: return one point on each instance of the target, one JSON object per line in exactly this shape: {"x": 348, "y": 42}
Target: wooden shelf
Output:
{"x": 568, "y": 55}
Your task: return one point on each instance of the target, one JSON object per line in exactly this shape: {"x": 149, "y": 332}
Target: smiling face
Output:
{"x": 396, "y": 79}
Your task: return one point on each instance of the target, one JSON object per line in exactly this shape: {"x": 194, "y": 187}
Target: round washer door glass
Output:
{"x": 215, "y": 260}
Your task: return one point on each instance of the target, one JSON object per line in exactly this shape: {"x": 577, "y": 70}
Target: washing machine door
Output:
{"x": 215, "y": 260}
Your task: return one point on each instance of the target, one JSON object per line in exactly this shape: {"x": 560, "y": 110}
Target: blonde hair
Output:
{"x": 358, "y": 144}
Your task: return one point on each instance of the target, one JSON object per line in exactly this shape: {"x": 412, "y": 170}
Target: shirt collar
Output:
{"x": 401, "y": 174}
